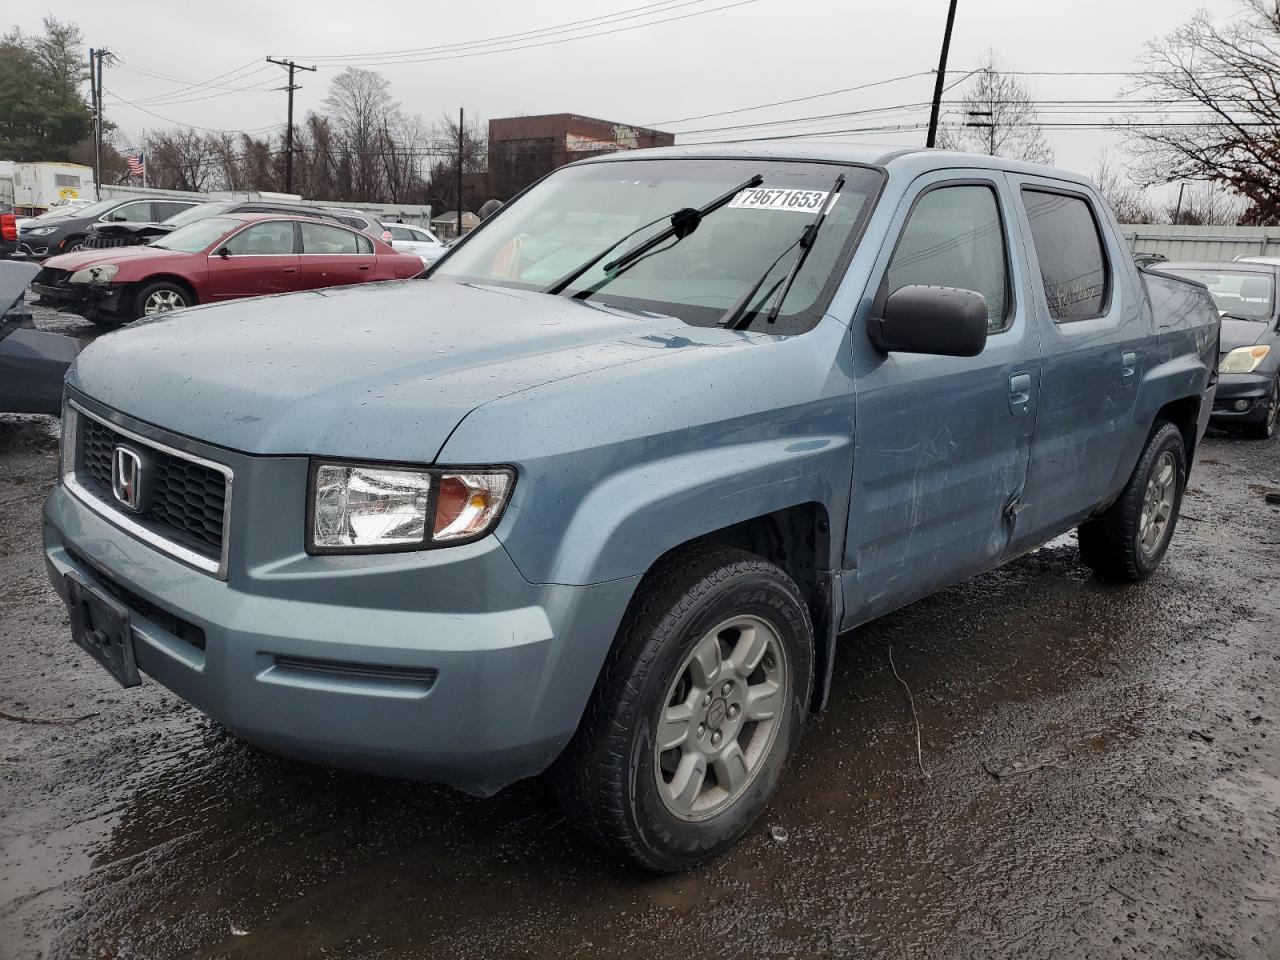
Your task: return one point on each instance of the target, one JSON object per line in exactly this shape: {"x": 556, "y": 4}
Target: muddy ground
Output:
{"x": 1101, "y": 779}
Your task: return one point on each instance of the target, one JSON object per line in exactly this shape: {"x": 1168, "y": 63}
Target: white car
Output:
{"x": 411, "y": 238}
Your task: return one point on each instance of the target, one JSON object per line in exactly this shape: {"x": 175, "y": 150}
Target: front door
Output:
{"x": 941, "y": 443}
{"x": 333, "y": 256}
{"x": 1092, "y": 330}
{"x": 260, "y": 259}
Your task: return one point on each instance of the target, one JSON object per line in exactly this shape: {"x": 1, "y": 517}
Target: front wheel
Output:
{"x": 1265, "y": 428}
{"x": 161, "y": 297}
{"x": 1128, "y": 540}
{"x": 695, "y": 712}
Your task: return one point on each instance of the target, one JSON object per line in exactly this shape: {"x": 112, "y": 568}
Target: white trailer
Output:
{"x": 39, "y": 186}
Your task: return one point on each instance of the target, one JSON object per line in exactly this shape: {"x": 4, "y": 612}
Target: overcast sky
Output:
{"x": 749, "y": 52}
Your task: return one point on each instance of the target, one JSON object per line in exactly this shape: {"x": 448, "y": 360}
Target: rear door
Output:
{"x": 333, "y": 255}
{"x": 1093, "y": 338}
{"x": 942, "y": 443}
{"x": 260, "y": 259}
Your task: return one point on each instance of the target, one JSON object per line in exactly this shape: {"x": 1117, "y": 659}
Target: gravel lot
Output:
{"x": 1101, "y": 778}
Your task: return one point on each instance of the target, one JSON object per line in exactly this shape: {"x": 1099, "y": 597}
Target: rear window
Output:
{"x": 1247, "y": 295}
{"x": 1073, "y": 266}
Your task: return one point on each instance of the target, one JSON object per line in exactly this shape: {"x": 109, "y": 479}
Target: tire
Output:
{"x": 614, "y": 782}
{"x": 1120, "y": 543}
{"x": 72, "y": 245}
{"x": 151, "y": 299}
{"x": 1265, "y": 428}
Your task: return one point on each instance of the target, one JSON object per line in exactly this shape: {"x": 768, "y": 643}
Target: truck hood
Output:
{"x": 384, "y": 371}
{"x": 1242, "y": 333}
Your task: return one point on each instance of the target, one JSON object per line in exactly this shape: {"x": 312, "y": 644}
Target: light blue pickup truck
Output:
{"x": 602, "y": 491}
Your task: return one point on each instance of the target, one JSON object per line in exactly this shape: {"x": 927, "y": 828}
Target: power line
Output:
{"x": 543, "y": 43}
{"x": 571, "y": 26}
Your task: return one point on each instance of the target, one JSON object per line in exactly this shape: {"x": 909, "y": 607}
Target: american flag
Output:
{"x": 137, "y": 164}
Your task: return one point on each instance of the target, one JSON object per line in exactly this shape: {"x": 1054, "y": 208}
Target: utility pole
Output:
{"x": 1177, "y": 211}
{"x": 460, "y": 129}
{"x": 95, "y": 89}
{"x": 942, "y": 76}
{"x": 288, "y": 136}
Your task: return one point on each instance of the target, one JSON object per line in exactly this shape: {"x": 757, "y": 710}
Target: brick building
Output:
{"x": 522, "y": 149}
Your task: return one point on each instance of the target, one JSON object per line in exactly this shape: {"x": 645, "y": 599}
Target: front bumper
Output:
{"x": 443, "y": 665}
{"x": 86, "y": 299}
{"x": 1249, "y": 390}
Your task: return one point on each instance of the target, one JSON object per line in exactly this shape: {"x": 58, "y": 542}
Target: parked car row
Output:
{"x": 214, "y": 258}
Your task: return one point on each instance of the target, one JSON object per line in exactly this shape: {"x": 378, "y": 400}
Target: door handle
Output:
{"x": 290, "y": 269}
{"x": 363, "y": 266}
{"x": 1128, "y": 365}
{"x": 1020, "y": 393}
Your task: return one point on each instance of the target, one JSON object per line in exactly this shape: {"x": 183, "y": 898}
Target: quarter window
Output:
{"x": 954, "y": 237}
{"x": 274, "y": 238}
{"x": 1073, "y": 266}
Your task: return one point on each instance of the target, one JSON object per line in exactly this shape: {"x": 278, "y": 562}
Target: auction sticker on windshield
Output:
{"x": 773, "y": 198}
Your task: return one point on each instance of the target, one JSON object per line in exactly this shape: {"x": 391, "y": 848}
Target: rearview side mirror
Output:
{"x": 222, "y": 252}
{"x": 944, "y": 321}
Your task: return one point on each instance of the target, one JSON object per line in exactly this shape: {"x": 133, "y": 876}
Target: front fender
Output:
{"x": 635, "y": 516}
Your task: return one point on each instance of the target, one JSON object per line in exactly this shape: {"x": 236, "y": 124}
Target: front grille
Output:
{"x": 97, "y": 241}
{"x": 187, "y": 500}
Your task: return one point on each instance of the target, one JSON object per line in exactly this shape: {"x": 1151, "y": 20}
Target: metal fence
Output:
{"x": 1202, "y": 243}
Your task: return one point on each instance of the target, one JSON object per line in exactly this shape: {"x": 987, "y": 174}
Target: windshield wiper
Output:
{"x": 738, "y": 316}
{"x": 683, "y": 222}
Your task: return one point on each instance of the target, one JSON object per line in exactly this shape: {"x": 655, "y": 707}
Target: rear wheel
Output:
{"x": 1265, "y": 428}
{"x": 695, "y": 713}
{"x": 1128, "y": 540}
{"x": 161, "y": 297}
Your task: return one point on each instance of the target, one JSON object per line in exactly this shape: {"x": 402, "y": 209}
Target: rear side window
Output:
{"x": 954, "y": 237}
{"x": 322, "y": 238}
{"x": 401, "y": 233}
{"x": 164, "y": 209}
{"x": 1073, "y": 265}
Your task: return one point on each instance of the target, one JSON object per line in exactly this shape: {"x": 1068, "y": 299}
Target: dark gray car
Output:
{"x": 1245, "y": 293}
{"x": 41, "y": 238}
{"x": 32, "y": 362}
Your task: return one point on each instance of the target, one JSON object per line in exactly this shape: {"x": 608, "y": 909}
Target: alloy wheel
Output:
{"x": 720, "y": 718}
{"x": 1157, "y": 504}
{"x": 163, "y": 301}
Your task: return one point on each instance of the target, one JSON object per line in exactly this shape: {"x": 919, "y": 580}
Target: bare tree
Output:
{"x": 359, "y": 106}
{"x": 1127, "y": 202}
{"x": 1205, "y": 204}
{"x": 1232, "y": 74}
{"x": 474, "y": 158}
{"x": 180, "y": 160}
{"x": 998, "y": 119}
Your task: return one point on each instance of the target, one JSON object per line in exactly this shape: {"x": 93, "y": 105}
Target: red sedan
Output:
{"x": 219, "y": 258}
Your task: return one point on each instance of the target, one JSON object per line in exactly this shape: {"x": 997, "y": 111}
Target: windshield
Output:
{"x": 199, "y": 212}
{"x": 196, "y": 236}
{"x": 1249, "y": 295}
{"x": 581, "y": 210}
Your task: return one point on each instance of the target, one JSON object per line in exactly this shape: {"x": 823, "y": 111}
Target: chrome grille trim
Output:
{"x": 70, "y": 459}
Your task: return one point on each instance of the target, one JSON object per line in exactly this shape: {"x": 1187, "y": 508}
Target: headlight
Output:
{"x": 99, "y": 274}
{"x": 1243, "y": 359}
{"x": 38, "y": 231}
{"x": 357, "y": 508}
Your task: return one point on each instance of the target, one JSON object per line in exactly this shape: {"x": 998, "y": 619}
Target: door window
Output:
{"x": 322, "y": 238}
{"x": 139, "y": 212}
{"x": 1073, "y": 266}
{"x": 402, "y": 233}
{"x": 274, "y": 238}
{"x": 954, "y": 237}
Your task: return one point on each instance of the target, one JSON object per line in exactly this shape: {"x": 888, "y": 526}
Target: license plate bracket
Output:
{"x": 100, "y": 625}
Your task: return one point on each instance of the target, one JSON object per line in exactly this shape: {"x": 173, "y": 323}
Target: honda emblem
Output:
{"x": 126, "y": 477}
